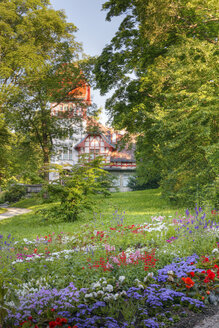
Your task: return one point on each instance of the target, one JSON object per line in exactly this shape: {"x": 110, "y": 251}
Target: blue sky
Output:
{"x": 93, "y": 30}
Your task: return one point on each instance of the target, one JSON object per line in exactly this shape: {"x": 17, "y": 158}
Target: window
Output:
{"x": 65, "y": 153}
{"x": 70, "y": 154}
{"x": 94, "y": 152}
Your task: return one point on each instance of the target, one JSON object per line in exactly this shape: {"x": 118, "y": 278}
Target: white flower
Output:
{"x": 121, "y": 278}
{"x": 116, "y": 296}
{"x": 95, "y": 285}
{"x": 170, "y": 278}
{"x": 88, "y": 295}
{"x": 100, "y": 292}
{"x": 106, "y": 298}
{"x": 123, "y": 293}
{"x": 108, "y": 288}
{"x": 215, "y": 250}
{"x": 170, "y": 272}
{"x": 102, "y": 279}
{"x": 149, "y": 275}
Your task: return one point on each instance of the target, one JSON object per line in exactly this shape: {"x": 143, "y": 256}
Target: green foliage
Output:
{"x": 34, "y": 200}
{"x": 5, "y": 138}
{"x": 20, "y": 158}
{"x": 38, "y": 65}
{"x": 14, "y": 193}
{"x": 75, "y": 186}
{"x": 8, "y": 285}
{"x": 134, "y": 184}
{"x": 163, "y": 64}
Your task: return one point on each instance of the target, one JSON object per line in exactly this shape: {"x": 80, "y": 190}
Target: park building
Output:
{"x": 93, "y": 139}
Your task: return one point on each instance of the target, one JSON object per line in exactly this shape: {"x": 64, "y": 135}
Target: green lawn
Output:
{"x": 3, "y": 210}
{"x": 138, "y": 206}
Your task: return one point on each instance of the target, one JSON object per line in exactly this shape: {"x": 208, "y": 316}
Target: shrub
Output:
{"x": 75, "y": 187}
{"x": 134, "y": 184}
{"x": 14, "y": 193}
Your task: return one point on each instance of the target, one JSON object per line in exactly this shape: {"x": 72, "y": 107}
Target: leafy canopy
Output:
{"x": 162, "y": 63}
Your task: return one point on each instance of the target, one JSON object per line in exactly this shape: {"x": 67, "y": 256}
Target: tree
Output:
{"x": 74, "y": 188}
{"x": 26, "y": 160}
{"x": 5, "y": 137}
{"x": 38, "y": 55}
{"x": 170, "y": 47}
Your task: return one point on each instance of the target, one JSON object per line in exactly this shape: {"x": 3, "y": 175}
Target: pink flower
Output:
{"x": 115, "y": 260}
{"x": 109, "y": 266}
{"x": 109, "y": 248}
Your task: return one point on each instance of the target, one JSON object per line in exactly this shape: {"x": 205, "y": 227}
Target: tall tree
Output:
{"x": 170, "y": 49}
{"x": 38, "y": 54}
{"x": 5, "y": 148}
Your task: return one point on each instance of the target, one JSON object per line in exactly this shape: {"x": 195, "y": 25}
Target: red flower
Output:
{"x": 210, "y": 274}
{"x": 189, "y": 282}
{"x": 206, "y": 280}
{"x": 192, "y": 274}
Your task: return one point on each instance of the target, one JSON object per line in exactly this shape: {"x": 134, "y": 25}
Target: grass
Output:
{"x": 3, "y": 210}
{"x": 138, "y": 206}
{"x": 27, "y": 202}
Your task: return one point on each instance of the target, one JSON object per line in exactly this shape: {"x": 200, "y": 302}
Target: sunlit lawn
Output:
{"x": 138, "y": 206}
{"x": 3, "y": 210}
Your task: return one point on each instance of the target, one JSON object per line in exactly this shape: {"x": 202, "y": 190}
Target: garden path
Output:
{"x": 209, "y": 322}
{"x": 12, "y": 211}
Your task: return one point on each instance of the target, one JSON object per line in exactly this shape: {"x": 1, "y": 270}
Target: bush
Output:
{"x": 14, "y": 193}
{"x": 134, "y": 184}
{"x": 74, "y": 188}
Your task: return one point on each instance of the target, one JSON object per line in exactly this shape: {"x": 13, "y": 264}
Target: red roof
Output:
{"x": 82, "y": 92}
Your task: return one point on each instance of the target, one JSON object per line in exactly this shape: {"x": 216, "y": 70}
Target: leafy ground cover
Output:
{"x": 140, "y": 268}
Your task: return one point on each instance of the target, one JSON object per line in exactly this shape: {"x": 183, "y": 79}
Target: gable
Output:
{"x": 94, "y": 142}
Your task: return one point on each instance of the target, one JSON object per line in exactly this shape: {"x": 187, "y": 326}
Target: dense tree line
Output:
{"x": 163, "y": 65}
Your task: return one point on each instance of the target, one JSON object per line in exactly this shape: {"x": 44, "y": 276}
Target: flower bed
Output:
{"x": 147, "y": 275}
